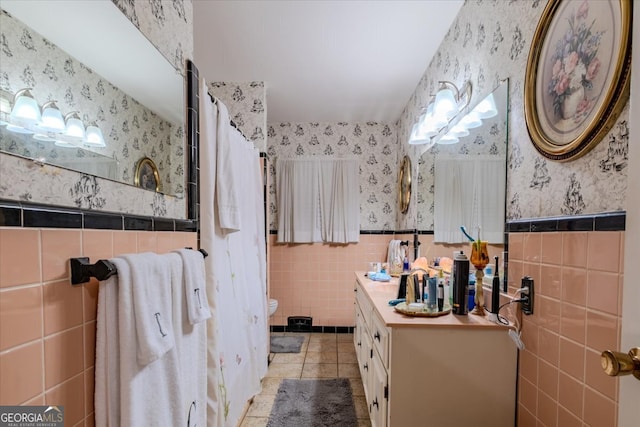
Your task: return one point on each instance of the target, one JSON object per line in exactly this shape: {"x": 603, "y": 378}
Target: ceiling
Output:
{"x": 323, "y": 61}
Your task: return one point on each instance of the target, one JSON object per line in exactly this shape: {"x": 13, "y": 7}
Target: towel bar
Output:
{"x": 82, "y": 270}
{"x": 404, "y": 243}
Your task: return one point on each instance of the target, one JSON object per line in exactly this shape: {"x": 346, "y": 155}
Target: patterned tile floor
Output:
{"x": 321, "y": 356}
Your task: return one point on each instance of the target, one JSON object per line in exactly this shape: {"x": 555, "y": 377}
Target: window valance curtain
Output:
{"x": 469, "y": 192}
{"x": 318, "y": 200}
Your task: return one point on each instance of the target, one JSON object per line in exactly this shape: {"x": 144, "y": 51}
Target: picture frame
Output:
{"x": 578, "y": 75}
{"x": 147, "y": 175}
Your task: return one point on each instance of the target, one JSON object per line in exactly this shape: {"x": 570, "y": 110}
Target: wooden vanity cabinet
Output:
{"x": 448, "y": 371}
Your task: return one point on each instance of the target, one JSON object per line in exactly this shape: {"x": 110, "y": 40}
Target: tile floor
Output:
{"x": 321, "y": 356}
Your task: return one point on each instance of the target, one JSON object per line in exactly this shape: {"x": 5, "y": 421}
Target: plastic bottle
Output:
{"x": 460, "y": 284}
{"x": 445, "y": 290}
{"x": 405, "y": 264}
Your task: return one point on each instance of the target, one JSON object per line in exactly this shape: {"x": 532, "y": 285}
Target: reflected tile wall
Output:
{"x": 47, "y": 326}
{"x": 578, "y": 279}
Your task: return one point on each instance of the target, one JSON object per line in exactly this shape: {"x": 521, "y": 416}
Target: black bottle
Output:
{"x": 460, "y": 284}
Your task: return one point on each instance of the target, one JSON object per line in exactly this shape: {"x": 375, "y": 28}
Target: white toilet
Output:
{"x": 273, "y": 306}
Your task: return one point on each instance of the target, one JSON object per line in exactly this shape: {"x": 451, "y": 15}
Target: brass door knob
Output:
{"x": 615, "y": 363}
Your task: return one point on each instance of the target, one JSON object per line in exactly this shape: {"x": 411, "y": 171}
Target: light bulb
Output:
{"x": 51, "y": 120}
{"x": 94, "y": 136}
{"x": 25, "y": 108}
{"x": 75, "y": 127}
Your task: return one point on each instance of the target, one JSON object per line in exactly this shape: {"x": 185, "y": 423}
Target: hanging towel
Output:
{"x": 227, "y": 187}
{"x": 191, "y": 340}
{"x": 208, "y": 132}
{"x": 150, "y": 393}
{"x": 194, "y": 286}
{"x": 107, "y": 368}
{"x": 152, "y": 305}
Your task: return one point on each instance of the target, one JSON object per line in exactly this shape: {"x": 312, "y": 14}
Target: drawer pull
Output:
{"x": 377, "y": 335}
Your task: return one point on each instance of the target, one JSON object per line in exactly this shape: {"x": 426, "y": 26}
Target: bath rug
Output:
{"x": 313, "y": 403}
{"x": 286, "y": 344}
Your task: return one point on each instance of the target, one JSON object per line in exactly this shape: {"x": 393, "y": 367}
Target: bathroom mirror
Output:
{"x": 404, "y": 185}
{"x": 119, "y": 82}
{"x": 485, "y": 144}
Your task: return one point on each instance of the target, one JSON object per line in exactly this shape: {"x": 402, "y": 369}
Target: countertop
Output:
{"x": 380, "y": 293}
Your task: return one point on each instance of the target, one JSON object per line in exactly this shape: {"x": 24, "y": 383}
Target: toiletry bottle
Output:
{"x": 495, "y": 289}
{"x": 405, "y": 264}
{"x": 445, "y": 290}
{"x": 460, "y": 284}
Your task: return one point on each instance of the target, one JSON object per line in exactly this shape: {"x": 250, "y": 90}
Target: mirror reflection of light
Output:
{"x": 42, "y": 137}
{"x": 75, "y": 127}
{"x": 94, "y": 136}
{"x": 459, "y": 131}
{"x": 25, "y": 108}
{"x": 486, "y": 109}
{"x": 471, "y": 121}
{"x": 448, "y": 139}
{"x": 52, "y": 120}
{"x": 18, "y": 129}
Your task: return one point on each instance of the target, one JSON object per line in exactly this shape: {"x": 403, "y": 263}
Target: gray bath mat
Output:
{"x": 313, "y": 403}
{"x": 288, "y": 344}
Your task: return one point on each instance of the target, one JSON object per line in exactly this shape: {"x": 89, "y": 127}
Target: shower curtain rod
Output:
{"x": 82, "y": 270}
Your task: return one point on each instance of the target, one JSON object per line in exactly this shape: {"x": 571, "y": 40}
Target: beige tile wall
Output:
{"x": 47, "y": 326}
{"x": 578, "y": 278}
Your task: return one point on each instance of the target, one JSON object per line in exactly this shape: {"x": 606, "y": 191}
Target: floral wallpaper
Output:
{"x": 132, "y": 132}
{"x": 373, "y": 144}
{"x": 499, "y": 35}
{"x": 168, "y": 24}
{"x": 247, "y": 107}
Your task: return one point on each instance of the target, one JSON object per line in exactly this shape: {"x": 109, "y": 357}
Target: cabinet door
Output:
{"x": 364, "y": 359}
{"x": 378, "y": 393}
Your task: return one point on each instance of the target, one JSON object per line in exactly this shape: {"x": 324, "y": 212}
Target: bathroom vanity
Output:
{"x": 445, "y": 371}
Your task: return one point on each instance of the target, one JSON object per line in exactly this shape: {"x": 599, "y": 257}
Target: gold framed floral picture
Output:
{"x": 577, "y": 76}
{"x": 147, "y": 175}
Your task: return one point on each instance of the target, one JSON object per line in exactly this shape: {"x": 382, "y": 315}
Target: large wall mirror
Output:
{"x": 98, "y": 68}
{"x": 464, "y": 183}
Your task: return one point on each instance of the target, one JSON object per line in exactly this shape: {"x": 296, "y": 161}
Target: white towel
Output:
{"x": 227, "y": 187}
{"x": 107, "y": 369}
{"x": 191, "y": 344}
{"x": 149, "y": 393}
{"x": 195, "y": 286}
{"x": 151, "y": 277}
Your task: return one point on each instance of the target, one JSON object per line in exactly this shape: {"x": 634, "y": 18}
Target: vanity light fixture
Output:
{"x": 52, "y": 120}
{"x": 48, "y": 124}
{"x": 93, "y": 137}
{"x": 75, "y": 128}
{"x": 445, "y": 106}
{"x": 25, "y": 108}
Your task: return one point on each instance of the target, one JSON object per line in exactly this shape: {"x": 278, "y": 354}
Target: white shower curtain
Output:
{"x": 469, "y": 191}
{"x": 232, "y": 230}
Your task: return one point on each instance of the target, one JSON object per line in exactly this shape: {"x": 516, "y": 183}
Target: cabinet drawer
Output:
{"x": 380, "y": 338}
{"x": 365, "y": 306}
